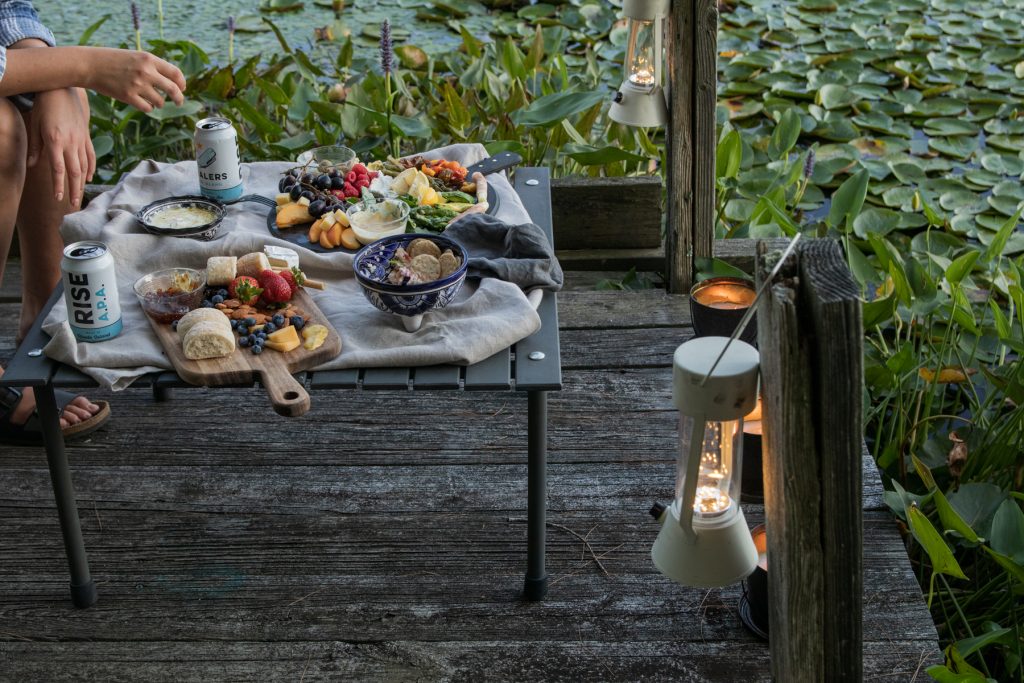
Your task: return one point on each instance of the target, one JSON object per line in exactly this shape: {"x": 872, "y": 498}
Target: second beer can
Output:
{"x": 90, "y": 291}
{"x": 220, "y": 170}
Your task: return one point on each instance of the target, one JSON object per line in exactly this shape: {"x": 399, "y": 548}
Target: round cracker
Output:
{"x": 426, "y": 266}
{"x": 449, "y": 263}
{"x": 424, "y": 246}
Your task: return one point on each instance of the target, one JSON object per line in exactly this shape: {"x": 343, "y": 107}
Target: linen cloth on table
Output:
{"x": 488, "y": 315}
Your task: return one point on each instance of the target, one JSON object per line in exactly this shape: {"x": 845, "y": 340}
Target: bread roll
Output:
{"x": 220, "y": 270}
{"x": 211, "y": 315}
{"x": 208, "y": 339}
{"x": 253, "y": 264}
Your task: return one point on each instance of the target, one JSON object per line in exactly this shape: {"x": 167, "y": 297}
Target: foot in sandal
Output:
{"x": 20, "y": 423}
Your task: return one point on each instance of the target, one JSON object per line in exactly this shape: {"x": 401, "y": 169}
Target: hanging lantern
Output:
{"x": 704, "y": 540}
{"x": 640, "y": 101}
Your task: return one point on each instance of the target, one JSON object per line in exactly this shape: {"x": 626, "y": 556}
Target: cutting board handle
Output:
{"x": 288, "y": 397}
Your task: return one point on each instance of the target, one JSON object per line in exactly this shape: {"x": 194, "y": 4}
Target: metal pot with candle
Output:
{"x": 718, "y": 304}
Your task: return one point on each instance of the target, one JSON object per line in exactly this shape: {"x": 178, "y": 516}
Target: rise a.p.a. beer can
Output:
{"x": 220, "y": 170}
{"x": 90, "y": 291}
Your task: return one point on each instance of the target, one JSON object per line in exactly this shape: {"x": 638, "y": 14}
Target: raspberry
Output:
{"x": 351, "y": 176}
{"x": 359, "y": 169}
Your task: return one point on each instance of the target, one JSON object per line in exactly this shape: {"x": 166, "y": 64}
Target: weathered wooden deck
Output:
{"x": 381, "y": 537}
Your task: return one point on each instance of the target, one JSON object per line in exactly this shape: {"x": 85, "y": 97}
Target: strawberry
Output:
{"x": 276, "y": 289}
{"x": 246, "y": 289}
{"x": 294, "y": 277}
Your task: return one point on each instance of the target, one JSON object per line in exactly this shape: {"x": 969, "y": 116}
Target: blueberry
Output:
{"x": 278, "y": 319}
{"x": 250, "y": 321}
{"x": 174, "y": 325}
{"x": 223, "y": 293}
{"x": 207, "y": 303}
{"x": 261, "y": 335}
{"x": 243, "y": 341}
{"x": 217, "y": 299}
{"x": 298, "y": 322}
{"x": 269, "y": 327}
{"x": 257, "y": 348}
{"x": 243, "y": 329}
{"x": 323, "y": 181}
{"x": 234, "y": 324}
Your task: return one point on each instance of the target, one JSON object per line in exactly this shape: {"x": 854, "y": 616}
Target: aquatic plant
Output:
{"x": 136, "y": 25}
{"x": 386, "y": 61}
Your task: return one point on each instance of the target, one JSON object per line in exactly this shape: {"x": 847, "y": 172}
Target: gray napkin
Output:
{"x": 520, "y": 254}
{"x": 487, "y": 316}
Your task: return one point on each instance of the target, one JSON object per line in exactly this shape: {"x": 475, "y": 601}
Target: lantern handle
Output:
{"x": 693, "y": 457}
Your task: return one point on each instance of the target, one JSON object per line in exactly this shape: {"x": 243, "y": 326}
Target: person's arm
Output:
{"x": 136, "y": 78}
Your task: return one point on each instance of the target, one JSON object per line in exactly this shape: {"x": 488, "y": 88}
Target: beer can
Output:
{"x": 220, "y": 171}
{"x": 90, "y": 291}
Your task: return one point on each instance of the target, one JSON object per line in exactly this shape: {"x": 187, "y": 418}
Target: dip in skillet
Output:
{"x": 181, "y": 217}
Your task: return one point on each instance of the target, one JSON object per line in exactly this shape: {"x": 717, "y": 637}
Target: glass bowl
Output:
{"x": 326, "y": 158}
{"x": 167, "y": 295}
{"x": 366, "y": 232}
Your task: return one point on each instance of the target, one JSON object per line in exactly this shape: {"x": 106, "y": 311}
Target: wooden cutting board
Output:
{"x": 272, "y": 369}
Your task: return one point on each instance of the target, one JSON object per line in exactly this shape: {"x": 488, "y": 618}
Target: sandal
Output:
{"x": 31, "y": 433}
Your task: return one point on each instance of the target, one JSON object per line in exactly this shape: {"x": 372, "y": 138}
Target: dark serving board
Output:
{"x": 299, "y": 235}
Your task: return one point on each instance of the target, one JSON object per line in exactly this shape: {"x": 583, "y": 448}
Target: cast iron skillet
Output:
{"x": 205, "y": 232}
{"x": 499, "y": 162}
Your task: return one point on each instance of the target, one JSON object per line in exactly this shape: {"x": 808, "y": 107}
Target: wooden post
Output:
{"x": 690, "y": 177}
{"x": 811, "y": 341}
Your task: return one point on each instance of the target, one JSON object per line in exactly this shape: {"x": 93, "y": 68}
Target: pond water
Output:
{"x": 205, "y": 23}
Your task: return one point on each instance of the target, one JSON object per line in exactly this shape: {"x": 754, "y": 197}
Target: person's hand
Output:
{"x": 136, "y": 78}
{"x": 59, "y": 129}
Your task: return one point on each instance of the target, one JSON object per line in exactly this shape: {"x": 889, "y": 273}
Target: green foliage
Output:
{"x": 489, "y": 91}
{"x": 928, "y": 210}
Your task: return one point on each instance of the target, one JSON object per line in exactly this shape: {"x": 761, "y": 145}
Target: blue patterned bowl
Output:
{"x": 372, "y": 264}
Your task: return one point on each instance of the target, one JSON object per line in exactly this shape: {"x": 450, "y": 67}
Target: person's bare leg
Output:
{"x": 26, "y": 199}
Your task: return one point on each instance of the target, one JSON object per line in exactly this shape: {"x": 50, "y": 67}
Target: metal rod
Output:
{"x": 745, "y": 320}
{"x": 83, "y": 590}
{"x": 537, "y": 493}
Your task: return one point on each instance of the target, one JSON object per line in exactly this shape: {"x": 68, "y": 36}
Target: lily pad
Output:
{"x": 959, "y": 147}
{"x": 983, "y": 177}
{"x": 899, "y": 197}
{"x": 878, "y": 222}
{"x": 949, "y": 127}
{"x": 1002, "y": 164}
{"x": 834, "y": 96}
{"x": 1004, "y": 205}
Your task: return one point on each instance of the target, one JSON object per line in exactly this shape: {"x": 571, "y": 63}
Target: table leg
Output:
{"x": 83, "y": 590}
{"x": 161, "y": 394}
{"x": 537, "y": 492}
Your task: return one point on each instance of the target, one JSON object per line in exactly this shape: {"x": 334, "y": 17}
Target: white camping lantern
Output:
{"x": 704, "y": 540}
{"x": 640, "y": 101}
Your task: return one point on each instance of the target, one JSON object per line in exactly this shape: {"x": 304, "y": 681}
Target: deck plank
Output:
{"x": 381, "y": 537}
